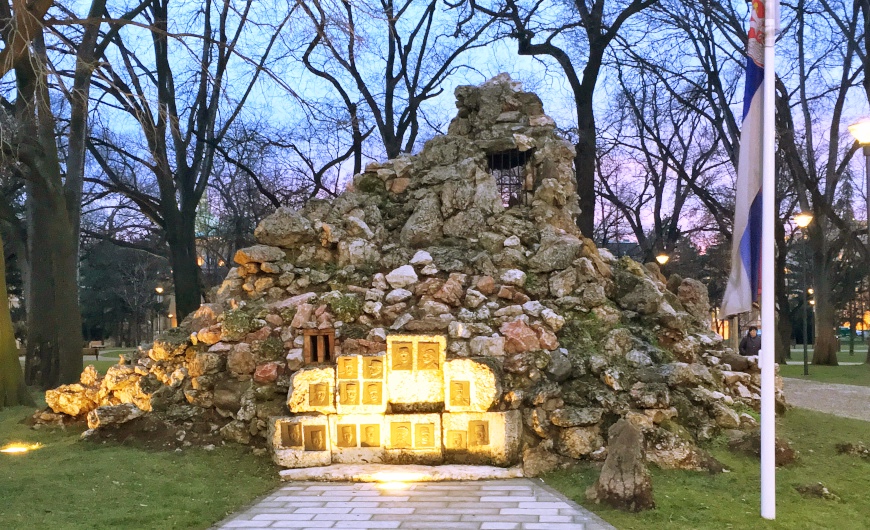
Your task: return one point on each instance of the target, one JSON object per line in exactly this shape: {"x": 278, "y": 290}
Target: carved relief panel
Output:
{"x": 415, "y": 374}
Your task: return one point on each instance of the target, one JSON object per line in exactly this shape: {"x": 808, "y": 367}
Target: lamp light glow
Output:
{"x": 803, "y": 219}
{"x": 159, "y": 289}
{"x": 662, "y": 258}
{"x": 19, "y": 448}
{"x": 810, "y": 290}
{"x": 861, "y": 131}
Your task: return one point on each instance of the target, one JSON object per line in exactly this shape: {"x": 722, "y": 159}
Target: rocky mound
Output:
{"x": 473, "y": 239}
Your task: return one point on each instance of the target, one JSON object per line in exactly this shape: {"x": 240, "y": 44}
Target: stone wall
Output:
{"x": 428, "y": 245}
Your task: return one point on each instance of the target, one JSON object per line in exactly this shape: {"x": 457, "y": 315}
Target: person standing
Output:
{"x": 751, "y": 343}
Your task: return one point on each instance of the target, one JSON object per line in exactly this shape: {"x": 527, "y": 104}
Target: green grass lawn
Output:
{"x": 846, "y": 375}
{"x": 69, "y": 484}
{"x": 860, "y": 355}
{"x": 690, "y": 500}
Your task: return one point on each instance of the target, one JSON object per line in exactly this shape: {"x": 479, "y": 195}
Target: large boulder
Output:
{"x": 285, "y": 228}
{"x": 624, "y": 482}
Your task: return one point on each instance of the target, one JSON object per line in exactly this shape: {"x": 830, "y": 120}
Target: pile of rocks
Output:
{"x": 452, "y": 242}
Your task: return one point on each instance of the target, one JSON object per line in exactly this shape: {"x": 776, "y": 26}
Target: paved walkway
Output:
{"x": 848, "y": 401}
{"x": 516, "y": 504}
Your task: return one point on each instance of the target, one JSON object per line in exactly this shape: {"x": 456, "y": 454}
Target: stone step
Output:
{"x": 398, "y": 473}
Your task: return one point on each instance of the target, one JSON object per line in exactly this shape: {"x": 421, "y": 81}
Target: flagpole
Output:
{"x": 768, "y": 318}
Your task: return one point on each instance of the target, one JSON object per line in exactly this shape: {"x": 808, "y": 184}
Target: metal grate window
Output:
{"x": 508, "y": 168}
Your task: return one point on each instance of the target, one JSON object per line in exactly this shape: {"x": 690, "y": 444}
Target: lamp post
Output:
{"x": 159, "y": 291}
{"x": 803, "y": 220}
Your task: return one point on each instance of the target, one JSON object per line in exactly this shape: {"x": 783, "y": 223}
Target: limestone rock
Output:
{"x": 311, "y": 390}
{"x": 578, "y": 442}
{"x": 477, "y": 378}
{"x": 519, "y": 337}
{"x": 694, "y": 297}
{"x": 113, "y": 415}
{"x": 476, "y": 437}
{"x": 487, "y": 346}
{"x": 285, "y": 228}
{"x": 425, "y": 224}
{"x": 289, "y": 436}
{"x": 625, "y": 481}
{"x": 402, "y": 277}
{"x": 258, "y": 254}
{"x": 74, "y": 400}
{"x": 514, "y": 277}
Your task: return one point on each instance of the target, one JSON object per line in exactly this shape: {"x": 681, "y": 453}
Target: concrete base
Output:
{"x": 392, "y": 473}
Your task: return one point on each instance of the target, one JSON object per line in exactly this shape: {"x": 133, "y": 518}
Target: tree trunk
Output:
{"x": 783, "y": 321}
{"x": 12, "y": 389}
{"x": 181, "y": 238}
{"x": 584, "y": 160}
{"x": 825, "y": 315}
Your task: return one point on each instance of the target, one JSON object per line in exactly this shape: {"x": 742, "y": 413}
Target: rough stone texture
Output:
{"x": 484, "y": 385}
{"x": 393, "y": 472}
{"x": 113, "y": 415}
{"x": 506, "y": 426}
{"x": 297, "y": 456}
{"x": 423, "y": 244}
{"x": 299, "y": 399}
{"x": 625, "y": 481}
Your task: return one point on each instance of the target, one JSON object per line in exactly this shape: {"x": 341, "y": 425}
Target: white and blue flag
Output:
{"x": 743, "y": 283}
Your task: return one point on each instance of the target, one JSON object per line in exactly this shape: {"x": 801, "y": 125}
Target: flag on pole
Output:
{"x": 743, "y": 283}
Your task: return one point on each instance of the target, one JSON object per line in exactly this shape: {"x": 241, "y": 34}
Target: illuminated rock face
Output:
{"x": 482, "y": 437}
{"x": 370, "y": 393}
{"x": 312, "y": 390}
{"x": 471, "y": 385}
{"x": 415, "y": 372}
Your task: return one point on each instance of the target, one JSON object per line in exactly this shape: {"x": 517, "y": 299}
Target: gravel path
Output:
{"x": 848, "y": 401}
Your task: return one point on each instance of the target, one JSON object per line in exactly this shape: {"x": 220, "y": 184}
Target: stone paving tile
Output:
{"x": 515, "y": 504}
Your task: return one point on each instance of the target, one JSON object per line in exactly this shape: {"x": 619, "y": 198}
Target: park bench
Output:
{"x": 93, "y": 348}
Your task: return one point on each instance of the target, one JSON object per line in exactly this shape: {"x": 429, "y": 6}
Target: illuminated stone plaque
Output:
{"x": 311, "y": 390}
{"x": 372, "y": 393}
{"x": 400, "y": 435}
{"x": 478, "y": 433}
{"x": 457, "y": 440}
{"x": 428, "y": 357}
{"x": 415, "y": 376}
{"x": 291, "y": 435}
{"x": 459, "y": 393}
{"x": 373, "y": 367}
{"x": 487, "y": 438}
{"x": 346, "y": 435}
{"x": 348, "y": 393}
{"x": 424, "y": 436}
{"x": 318, "y": 395}
{"x": 347, "y": 368}
{"x": 370, "y": 435}
{"x": 356, "y": 438}
{"x": 472, "y": 385}
{"x": 315, "y": 437}
{"x": 412, "y": 439}
{"x": 300, "y": 441}
{"x": 403, "y": 356}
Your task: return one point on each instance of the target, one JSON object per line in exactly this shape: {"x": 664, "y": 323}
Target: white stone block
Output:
{"x": 415, "y": 374}
{"x": 470, "y": 386}
{"x": 311, "y": 390}
{"x": 360, "y": 384}
{"x": 413, "y": 439}
{"x": 357, "y": 438}
{"x": 489, "y": 438}
{"x": 300, "y": 441}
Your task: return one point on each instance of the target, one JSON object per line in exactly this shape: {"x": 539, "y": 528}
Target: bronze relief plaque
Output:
{"x": 346, "y": 435}
{"x": 347, "y": 368}
{"x": 403, "y": 356}
{"x": 428, "y": 356}
{"x": 400, "y": 435}
{"x": 460, "y": 393}
{"x": 291, "y": 435}
{"x": 318, "y": 395}
{"x": 456, "y": 440}
{"x": 478, "y": 433}
{"x": 371, "y": 435}
{"x": 348, "y": 393}
{"x": 424, "y": 435}
{"x": 373, "y": 368}
{"x": 372, "y": 393}
{"x": 315, "y": 438}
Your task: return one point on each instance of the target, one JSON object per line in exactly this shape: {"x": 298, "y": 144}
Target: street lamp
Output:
{"x": 803, "y": 220}
{"x": 861, "y": 132}
{"x": 662, "y": 258}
